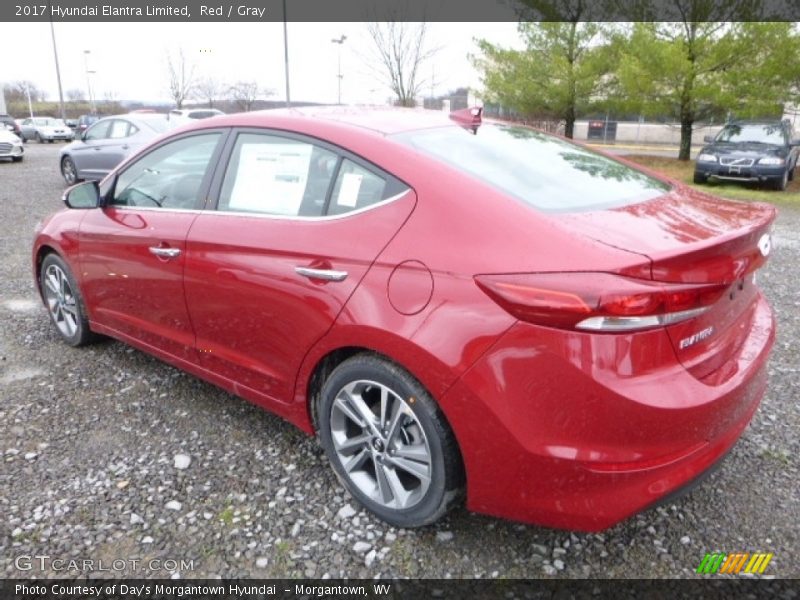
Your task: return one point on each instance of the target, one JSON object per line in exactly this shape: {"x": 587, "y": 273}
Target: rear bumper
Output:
{"x": 580, "y": 431}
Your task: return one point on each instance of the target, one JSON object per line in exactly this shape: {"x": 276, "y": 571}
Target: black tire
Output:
{"x": 781, "y": 183}
{"x": 39, "y": 138}
{"x": 699, "y": 177}
{"x": 420, "y": 415}
{"x": 17, "y": 158}
{"x": 72, "y": 324}
{"x": 791, "y": 173}
{"x": 50, "y": 141}
{"x": 68, "y": 171}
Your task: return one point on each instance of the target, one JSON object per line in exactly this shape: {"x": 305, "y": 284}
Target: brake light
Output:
{"x": 598, "y": 301}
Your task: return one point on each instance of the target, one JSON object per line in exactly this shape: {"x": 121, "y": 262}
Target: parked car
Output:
{"x": 178, "y": 117}
{"x": 750, "y": 151}
{"x": 46, "y": 129}
{"x": 72, "y": 124}
{"x": 7, "y": 122}
{"x": 107, "y": 143}
{"x": 11, "y": 146}
{"x": 452, "y": 306}
{"x": 84, "y": 122}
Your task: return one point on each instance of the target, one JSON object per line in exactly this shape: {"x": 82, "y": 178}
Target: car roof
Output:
{"x": 383, "y": 120}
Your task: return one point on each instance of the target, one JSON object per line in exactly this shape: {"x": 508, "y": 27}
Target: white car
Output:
{"x": 10, "y": 146}
{"x": 46, "y": 129}
{"x": 181, "y": 116}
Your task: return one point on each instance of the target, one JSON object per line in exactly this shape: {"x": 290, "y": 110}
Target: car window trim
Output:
{"x": 392, "y": 181}
{"x": 208, "y": 176}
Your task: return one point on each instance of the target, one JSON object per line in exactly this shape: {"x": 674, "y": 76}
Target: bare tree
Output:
{"x": 245, "y": 93}
{"x": 76, "y": 95}
{"x": 18, "y": 91}
{"x": 180, "y": 75}
{"x": 209, "y": 90}
{"x": 402, "y": 51}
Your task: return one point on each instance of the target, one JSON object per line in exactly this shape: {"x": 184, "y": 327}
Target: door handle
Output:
{"x": 165, "y": 252}
{"x": 325, "y": 274}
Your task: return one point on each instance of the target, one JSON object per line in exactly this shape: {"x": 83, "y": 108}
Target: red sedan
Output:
{"x": 451, "y": 306}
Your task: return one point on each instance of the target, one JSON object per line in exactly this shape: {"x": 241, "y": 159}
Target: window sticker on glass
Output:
{"x": 348, "y": 192}
{"x": 271, "y": 178}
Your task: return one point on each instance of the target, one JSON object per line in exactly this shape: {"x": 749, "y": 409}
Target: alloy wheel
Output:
{"x": 68, "y": 170}
{"x": 61, "y": 300}
{"x": 381, "y": 444}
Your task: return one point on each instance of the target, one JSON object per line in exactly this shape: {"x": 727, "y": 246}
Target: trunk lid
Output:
{"x": 690, "y": 237}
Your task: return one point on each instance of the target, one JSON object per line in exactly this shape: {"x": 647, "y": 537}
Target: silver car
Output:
{"x": 107, "y": 143}
{"x": 45, "y": 129}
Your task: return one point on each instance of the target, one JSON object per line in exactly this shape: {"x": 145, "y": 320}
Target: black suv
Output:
{"x": 9, "y": 123}
{"x": 750, "y": 151}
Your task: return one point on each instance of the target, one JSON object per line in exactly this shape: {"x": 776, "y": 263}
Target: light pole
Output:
{"x": 339, "y": 41}
{"x": 86, "y": 54}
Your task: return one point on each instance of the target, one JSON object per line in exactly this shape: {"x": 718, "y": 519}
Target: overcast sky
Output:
{"x": 129, "y": 58}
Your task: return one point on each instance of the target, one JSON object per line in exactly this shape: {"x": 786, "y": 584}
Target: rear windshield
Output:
{"x": 157, "y": 123}
{"x": 546, "y": 172}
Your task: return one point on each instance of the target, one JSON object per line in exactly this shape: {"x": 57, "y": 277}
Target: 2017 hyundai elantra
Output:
{"x": 452, "y": 307}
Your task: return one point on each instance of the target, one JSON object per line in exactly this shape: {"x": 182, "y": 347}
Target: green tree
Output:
{"x": 559, "y": 74}
{"x": 695, "y": 68}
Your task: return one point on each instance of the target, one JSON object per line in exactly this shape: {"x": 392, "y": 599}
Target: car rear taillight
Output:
{"x": 598, "y": 301}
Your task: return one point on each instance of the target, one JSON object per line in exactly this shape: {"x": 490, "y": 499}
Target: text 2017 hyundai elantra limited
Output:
{"x": 451, "y": 307}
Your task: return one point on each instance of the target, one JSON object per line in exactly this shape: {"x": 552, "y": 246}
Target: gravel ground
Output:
{"x": 109, "y": 454}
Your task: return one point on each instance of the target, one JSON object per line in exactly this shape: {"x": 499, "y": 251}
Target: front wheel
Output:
{"x": 699, "y": 177}
{"x": 68, "y": 171}
{"x": 781, "y": 183}
{"x": 64, "y": 301}
{"x": 17, "y": 158}
{"x": 388, "y": 442}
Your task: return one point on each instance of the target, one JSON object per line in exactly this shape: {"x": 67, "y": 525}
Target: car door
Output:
{"x": 27, "y": 129}
{"x": 133, "y": 248}
{"x": 85, "y": 154}
{"x": 115, "y": 146}
{"x": 297, "y": 225}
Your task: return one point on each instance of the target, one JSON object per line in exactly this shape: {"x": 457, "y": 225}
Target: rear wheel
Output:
{"x": 17, "y": 158}
{"x": 39, "y": 138}
{"x": 68, "y": 171}
{"x": 388, "y": 442}
{"x": 700, "y": 177}
{"x": 64, "y": 301}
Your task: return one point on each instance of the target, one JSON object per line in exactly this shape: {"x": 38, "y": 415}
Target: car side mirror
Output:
{"x": 708, "y": 139}
{"x": 81, "y": 196}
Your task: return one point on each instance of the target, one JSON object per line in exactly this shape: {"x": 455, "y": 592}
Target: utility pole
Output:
{"x": 340, "y": 42}
{"x": 58, "y": 70}
{"x": 286, "y": 54}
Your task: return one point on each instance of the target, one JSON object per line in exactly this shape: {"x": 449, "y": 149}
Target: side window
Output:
{"x": 355, "y": 188}
{"x": 168, "y": 177}
{"x": 118, "y": 129}
{"x": 273, "y": 175}
{"x": 98, "y": 131}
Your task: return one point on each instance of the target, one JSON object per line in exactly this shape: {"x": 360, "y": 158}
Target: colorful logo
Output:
{"x": 735, "y": 564}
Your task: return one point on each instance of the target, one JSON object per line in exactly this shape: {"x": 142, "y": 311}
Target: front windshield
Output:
{"x": 762, "y": 133}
